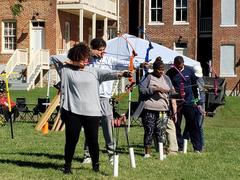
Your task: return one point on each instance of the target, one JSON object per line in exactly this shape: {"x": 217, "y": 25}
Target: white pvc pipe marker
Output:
{"x": 160, "y": 146}
{"x": 185, "y": 142}
{"x": 115, "y": 165}
{"x": 129, "y": 110}
{"x": 132, "y": 157}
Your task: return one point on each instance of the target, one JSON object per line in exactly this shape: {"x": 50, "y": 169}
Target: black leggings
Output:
{"x": 73, "y": 123}
{"x": 154, "y": 126}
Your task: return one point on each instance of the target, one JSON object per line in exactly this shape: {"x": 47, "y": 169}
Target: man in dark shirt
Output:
{"x": 184, "y": 82}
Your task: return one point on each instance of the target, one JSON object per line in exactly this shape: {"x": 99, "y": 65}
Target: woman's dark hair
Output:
{"x": 178, "y": 60}
{"x": 79, "y": 52}
{"x": 97, "y": 43}
{"x": 158, "y": 63}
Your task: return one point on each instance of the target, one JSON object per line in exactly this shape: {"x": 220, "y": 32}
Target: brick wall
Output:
{"x": 54, "y": 25}
{"x": 124, "y": 16}
{"x": 47, "y": 12}
{"x": 168, "y": 33}
{"x": 225, "y": 35}
{"x": 74, "y": 28}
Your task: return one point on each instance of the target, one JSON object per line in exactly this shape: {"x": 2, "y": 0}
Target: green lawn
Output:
{"x": 31, "y": 155}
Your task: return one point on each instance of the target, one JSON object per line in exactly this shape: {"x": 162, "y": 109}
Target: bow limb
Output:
{"x": 130, "y": 66}
{"x": 147, "y": 55}
{"x": 131, "y": 81}
{"x": 150, "y": 46}
{"x": 133, "y": 50}
{"x": 182, "y": 92}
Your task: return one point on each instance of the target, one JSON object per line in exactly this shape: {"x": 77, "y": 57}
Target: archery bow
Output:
{"x": 182, "y": 92}
{"x": 129, "y": 87}
{"x": 129, "y": 90}
{"x": 130, "y": 67}
{"x": 150, "y": 46}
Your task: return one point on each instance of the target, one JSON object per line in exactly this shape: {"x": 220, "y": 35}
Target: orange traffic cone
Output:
{"x": 45, "y": 128}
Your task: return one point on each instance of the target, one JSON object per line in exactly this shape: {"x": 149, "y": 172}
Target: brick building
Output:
{"x": 57, "y": 23}
{"x": 18, "y": 32}
{"x": 205, "y": 30}
{"x": 32, "y": 30}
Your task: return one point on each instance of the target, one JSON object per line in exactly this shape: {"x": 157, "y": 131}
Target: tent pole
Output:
{"x": 48, "y": 88}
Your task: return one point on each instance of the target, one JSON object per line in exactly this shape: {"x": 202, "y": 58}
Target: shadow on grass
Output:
{"x": 50, "y": 156}
{"x": 37, "y": 165}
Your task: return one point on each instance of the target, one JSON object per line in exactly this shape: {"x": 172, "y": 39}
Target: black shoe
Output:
{"x": 67, "y": 169}
{"x": 95, "y": 167}
{"x": 180, "y": 149}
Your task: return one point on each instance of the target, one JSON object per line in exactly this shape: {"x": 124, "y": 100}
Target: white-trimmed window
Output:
{"x": 9, "y": 36}
{"x": 228, "y": 12}
{"x": 155, "y": 11}
{"x": 227, "y": 60}
{"x": 181, "y": 11}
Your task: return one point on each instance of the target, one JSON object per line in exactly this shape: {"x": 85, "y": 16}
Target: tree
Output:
{"x": 16, "y": 7}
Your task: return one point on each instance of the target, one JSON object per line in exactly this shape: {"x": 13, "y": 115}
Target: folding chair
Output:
{"x": 137, "y": 121}
{"x": 41, "y": 106}
{"x": 24, "y": 112}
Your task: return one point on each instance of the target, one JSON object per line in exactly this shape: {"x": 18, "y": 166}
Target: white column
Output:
{"x": 80, "y": 25}
{"x": 105, "y": 28}
{"x": 93, "y": 26}
{"x": 118, "y": 29}
{"x": 144, "y": 16}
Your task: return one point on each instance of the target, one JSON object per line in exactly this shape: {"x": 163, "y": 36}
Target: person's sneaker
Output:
{"x": 67, "y": 169}
{"x": 146, "y": 156}
{"x": 197, "y": 152}
{"x": 95, "y": 167}
{"x": 87, "y": 160}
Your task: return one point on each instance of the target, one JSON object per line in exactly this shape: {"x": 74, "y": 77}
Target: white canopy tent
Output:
{"x": 121, "y": 49}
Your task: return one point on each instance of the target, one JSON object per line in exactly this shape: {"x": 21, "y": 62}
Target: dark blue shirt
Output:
{"x": 189, "y": 83}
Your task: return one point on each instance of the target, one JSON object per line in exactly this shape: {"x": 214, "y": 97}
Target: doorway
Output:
{"x": 37, "y": 36}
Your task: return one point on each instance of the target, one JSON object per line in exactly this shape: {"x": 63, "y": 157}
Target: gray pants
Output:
{"x": 106, "y": 122}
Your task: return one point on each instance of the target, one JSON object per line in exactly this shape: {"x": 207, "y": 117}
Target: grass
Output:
{"x": 31, "y": 155}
